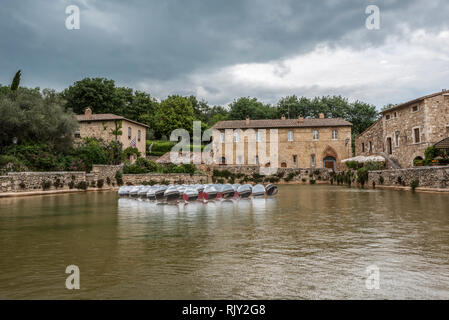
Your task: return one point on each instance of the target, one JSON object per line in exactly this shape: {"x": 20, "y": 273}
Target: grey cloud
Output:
{"x": 166, "y": 41}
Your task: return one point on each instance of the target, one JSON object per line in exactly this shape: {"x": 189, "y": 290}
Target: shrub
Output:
{"x": 46, "y": 184}
{"x": 414, "y": 184}
{"x": 108, "y": 181}
{"x": 100, "y": 183}
{"x": 119, "y": 177}
{"x": 352, "y": 165}
{"x": 93, "y": 184}
{"x": 381, "y": 180}
{"x": 290, "y": 176}
{"x": 159, "y": 147}
{"x": 22, "y": 185}
{"x": 82, "y": 185}
{"x": 303, "y": 179}
{"x": 71, "y": 184}
{"x": 57, "y": 184}
{"x": 130, "y": 151}
{"x": 316, "y": 172}
{"x": 373, "y": 166}
{"x": 312, "y": 181}
{"x": 281, "y": 174}
{"x": 362, "y": 176}
{"x": 257, "y": 178}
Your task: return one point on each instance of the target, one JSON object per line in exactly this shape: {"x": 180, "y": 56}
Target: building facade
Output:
{"x": 285, "y": 143}
{"x": 106, "y": 127}
{"x": 404, "y": 131}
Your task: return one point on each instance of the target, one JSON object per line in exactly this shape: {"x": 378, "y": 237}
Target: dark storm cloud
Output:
{"x": 166, "y": 41}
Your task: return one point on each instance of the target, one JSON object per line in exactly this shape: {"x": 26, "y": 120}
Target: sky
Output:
{"x": 223, "y": 50}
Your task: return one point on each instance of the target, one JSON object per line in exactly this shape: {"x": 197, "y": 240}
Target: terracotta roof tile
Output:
{"x": 279, "y": 123}
{"x": 105, "y": 117}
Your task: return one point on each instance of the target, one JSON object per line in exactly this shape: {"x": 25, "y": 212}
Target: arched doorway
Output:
{"x": 222, "y": 160}
{"x": 267, "y": 165}
{"x": 330, "y": 163}
{"x": 283, "y": 165}
{"x": 418, "y": 161}
{"x": 330, "y": 158}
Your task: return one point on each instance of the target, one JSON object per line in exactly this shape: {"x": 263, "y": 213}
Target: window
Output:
{"x": 239, "y": 160}
{"x": 387, "y": 117}
{"x": 370, "y": 146}
{"x": 315, "y": 135}
{"x": 290, "y": 135}
{"x": 416, "y": 136}
{"x": 363, "y": 147}
{"x": 256, "y": 160}
{"x": 415, "y": 108}
{"x": 396, "y": 139}
{"x": 222, "y": 160}
{"x": 236, "y": 137}
{"x": 138, "y": 135}
{"x": 129, "y": 132}
{"x": 389, "y": 146}
{"x": 395, "y": 114}
{"x": 334, "y": 134}
{"x": 312, "y": 160}
{"x": 258, "y": 136}
{"x": 222, "y": 137}
{"x": 77, "y": 135}
{"x": 295, "y": 160}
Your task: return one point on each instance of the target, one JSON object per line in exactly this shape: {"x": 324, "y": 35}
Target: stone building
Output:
{"x": 404, "y": 131}
{"x": 105, "y": 126}
{"x": 285, "y": 143}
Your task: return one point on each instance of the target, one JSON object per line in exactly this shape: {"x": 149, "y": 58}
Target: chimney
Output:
{"x": 300, "y": 119}
{"x": 247, "y": 120}
{"x": 88, "y": 113}
{"x": 283, "y": 117}
{"x": 321, "y": 115}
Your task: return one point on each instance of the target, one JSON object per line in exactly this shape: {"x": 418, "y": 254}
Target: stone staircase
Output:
{"x": 390, "y": 162}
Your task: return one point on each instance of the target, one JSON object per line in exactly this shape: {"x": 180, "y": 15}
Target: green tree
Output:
{"x": 246, "y": 106}
{"x": 97, "y": 93}
{"x": 16, "y": 81}
{"x": 175, "y": 112}
{"x": 37, "y": 117}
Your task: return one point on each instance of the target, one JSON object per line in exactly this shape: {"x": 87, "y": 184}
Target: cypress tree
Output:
{"x": 16, "y": 81}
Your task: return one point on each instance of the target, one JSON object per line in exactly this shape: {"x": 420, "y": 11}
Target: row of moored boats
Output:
{"x": 194, "y": 192}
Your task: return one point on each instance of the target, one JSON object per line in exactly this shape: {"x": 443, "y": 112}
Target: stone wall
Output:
{"x": 105, "y": 171}
{"x": 370, "y": 142}
{"x": 175, "y": 178}
{"x": 427, "y": 177}
{"x": 293, "y": 175}
{"x": 33, "y": 181}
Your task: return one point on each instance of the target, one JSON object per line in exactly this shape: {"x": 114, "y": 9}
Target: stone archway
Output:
{"x": 330, "y": 157}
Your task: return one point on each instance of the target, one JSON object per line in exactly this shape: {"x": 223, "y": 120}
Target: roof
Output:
{"x": 408, "y": 103}
{"x": 443, "y": 144}
{"x": 106, "y": 117}
{"x": 279, "y": 123}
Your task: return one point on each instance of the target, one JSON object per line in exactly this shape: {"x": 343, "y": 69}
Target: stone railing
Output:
{"x": 426, "y": 177}
{"x": 153, "y": 178}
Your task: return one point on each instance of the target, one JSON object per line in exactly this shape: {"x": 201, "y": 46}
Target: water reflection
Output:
{"x": 308, "y": 242}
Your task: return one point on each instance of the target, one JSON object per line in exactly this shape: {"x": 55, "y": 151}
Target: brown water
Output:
{"x": 310, "y": 242}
